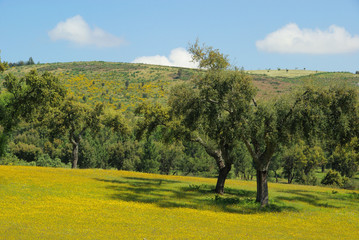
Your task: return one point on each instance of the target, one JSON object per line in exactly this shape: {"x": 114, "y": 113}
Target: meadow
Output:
{"x": 48, "y": 203}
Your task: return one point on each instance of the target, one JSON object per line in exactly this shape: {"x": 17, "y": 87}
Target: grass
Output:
{"x": 291, "y": 73}
{"x": 47, "y": 203}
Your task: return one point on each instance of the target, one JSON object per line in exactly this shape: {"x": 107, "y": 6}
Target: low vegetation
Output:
{"x": 49, "y": 203}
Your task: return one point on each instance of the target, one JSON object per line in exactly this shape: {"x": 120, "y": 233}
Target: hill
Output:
{"x": 124, "y": 85}
{"x": 47, "y": 203}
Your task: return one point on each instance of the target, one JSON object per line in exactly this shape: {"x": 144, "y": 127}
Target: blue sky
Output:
{"x": 313, "y": 34}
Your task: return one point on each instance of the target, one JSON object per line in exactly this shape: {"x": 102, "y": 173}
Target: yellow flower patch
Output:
{"x": 48, "y": 203}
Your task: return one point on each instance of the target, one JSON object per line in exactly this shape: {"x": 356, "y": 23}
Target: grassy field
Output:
{"x": 291, "y": 73}
{"x": 47, "y": 203}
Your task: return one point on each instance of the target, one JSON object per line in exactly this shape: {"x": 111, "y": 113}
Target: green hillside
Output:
{"x": 124, "y": 85}
{"x": 121, "y": 85}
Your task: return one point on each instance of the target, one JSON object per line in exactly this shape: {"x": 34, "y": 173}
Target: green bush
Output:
{"x": 13, "y": 160}
{"x": 333, "y": 178}
{"x": 45, "y": 160}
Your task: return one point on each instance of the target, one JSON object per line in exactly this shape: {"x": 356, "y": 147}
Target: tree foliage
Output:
{"x": 345, "y": 159}
{"x": 27, "y": 98}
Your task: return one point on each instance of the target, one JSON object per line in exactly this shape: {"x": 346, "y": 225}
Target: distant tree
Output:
{"x": 30, "y": 61}
{"x": 300, "y": 160}
{"x": 72, "y": 119}
{"x": 179, "y": 73}
{"x": 243, "y": 163}
{"x": 149, "y": 161}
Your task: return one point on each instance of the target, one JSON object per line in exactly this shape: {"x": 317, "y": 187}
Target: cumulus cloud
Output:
{"x": 178, "y": 57}
{"x": 292, "y": 39}
{"x": 76, "y": 30}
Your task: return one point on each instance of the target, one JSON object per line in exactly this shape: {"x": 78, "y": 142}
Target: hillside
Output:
{"x": 48, "y": 203}
{"x": 124, "y": 85}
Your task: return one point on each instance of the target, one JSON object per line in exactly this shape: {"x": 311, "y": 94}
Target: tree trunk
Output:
{"x": 262, "y": 187}
{"x": 75, "y": 154}
{"x": 223, "y": 172}
{"x": 290, "y": 178}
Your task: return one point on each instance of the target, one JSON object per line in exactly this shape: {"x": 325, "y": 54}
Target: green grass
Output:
{"x": 47, "y": 203}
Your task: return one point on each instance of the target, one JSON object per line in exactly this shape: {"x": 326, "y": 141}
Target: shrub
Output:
{"x": 12, "y": 160}
{"x": 24, "y": 151}
{"x": 333, "y": 178}
{"x": 45, "y": 160}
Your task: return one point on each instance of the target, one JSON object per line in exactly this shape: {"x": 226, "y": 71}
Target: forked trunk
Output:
{"x": 262, "y": 187}
{"x": 75, "y": 154}
{"x": 222, "y": 176}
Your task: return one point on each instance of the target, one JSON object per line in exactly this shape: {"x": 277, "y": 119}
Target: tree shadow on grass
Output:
{"x": 317, "y": 199}
{"x": 174, "y": 194}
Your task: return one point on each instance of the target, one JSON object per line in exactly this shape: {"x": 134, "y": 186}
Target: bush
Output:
{"x": 24, "y": 151}
{"x": 45, "y": 160}
{"x": 13, "y": 160}
{"x": 333, "y": 178}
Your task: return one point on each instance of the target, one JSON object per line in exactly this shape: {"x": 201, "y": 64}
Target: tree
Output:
{"x": 73, "y": 118}
{"x": 299, "y": 161}
{"x": 207, "y": 110}
{"x": 30, "y": 61}
{"x": 243, "y": 162}
{"x": 264, "y": 129}
{"x": 27, "y": 98}
{"x": 218, "y": 109}
{"x": 311, "y": 113}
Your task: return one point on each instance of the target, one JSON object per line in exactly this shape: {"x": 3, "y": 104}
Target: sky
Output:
{"x": 318, "y": 35}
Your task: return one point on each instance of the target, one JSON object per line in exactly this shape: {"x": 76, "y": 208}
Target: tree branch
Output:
{"x": 254, "y": 102}
{"x": 250, "y": 149}
{"x": 216, "y": 154}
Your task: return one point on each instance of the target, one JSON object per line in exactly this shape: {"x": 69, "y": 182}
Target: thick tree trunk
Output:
{"x": 222, "y": 176}
{"x": 262, "y": 187}
{"x": 75, "y": 154}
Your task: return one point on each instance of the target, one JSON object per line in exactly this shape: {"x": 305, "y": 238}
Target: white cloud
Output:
{"x": 178, "y": 57}
{"x": 76, "y": 30}
{"x": 292, "y": 39}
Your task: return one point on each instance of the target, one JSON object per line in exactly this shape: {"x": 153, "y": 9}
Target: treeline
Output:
{"x": 211, "y": 126}
{"x": 22, "y": 63}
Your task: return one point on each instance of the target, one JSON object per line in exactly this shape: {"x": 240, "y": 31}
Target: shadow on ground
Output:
{"x": 174, "y": 194}
{"x": 331, "y": 199}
